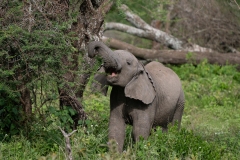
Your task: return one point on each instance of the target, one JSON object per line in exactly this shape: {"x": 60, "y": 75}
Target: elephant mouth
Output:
{"x": 112, "y": 74}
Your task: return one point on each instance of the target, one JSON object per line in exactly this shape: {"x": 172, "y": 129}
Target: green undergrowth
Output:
{"x": 212, "y": 96}
{"x": 210, "y": 126}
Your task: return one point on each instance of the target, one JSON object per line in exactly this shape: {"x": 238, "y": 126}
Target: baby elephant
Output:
{"x": 142, "y": 96}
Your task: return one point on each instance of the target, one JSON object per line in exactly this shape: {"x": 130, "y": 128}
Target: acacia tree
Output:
{"x": 43, "y": 57}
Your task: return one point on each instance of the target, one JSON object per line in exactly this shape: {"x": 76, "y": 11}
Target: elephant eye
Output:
{"x": 128, "y": 62}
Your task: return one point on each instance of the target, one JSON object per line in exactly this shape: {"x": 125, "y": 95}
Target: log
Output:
{"x": 142, "y": 29}
{"x": 175, "y": 56}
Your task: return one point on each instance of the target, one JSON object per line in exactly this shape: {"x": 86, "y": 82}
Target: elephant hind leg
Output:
{"x": 179, "y": 110}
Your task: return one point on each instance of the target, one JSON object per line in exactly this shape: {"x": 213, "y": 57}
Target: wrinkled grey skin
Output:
{"x": 144, "y": 97}
{"x": 100, "y": 83}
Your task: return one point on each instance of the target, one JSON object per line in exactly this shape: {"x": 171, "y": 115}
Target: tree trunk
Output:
{"x": 26, "y": 101}
{"x": 156, "y": 24}
{"x": 174, "y": 56}
{"x": 88, "y": 27}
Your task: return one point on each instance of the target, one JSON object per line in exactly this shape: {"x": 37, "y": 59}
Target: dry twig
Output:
{"x": 237, "y": 4}
{"x": 67, "y": 141}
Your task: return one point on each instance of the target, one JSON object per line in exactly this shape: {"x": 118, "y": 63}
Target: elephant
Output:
{"x": 142, "y": 96}
{"x": 100, "y": 83}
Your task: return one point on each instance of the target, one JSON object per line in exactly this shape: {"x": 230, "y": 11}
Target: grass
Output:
{"x": 212, "y": 97}
{"x": 210, "y": 125}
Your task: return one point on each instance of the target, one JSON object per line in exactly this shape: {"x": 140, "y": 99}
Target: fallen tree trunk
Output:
{"x": 175, "y": 56}
{"x": 146, "y": 31}
{"x": 183, "y": 52}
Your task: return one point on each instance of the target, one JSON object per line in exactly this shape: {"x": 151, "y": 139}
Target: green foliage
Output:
{"x": 43, "y": 142}
{"x": 212, "y": 103}
{"x": 37, "y": 57}
{"x": 9, "y": 111}
{"x": 31, "y": 57}
{"x": 153, "y": 10}
{"x": 61, "y": 117}
{"x": 181, "y": 145}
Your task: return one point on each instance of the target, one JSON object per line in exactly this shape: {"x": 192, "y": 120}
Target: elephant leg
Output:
{"x": 142, "y": 125}
{"x": 179, "y": 110}
{"x": 117, "y": 122}
{"x": 117, "y": 130}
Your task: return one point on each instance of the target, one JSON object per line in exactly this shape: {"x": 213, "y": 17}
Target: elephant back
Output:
{"x": 165, "y": 80}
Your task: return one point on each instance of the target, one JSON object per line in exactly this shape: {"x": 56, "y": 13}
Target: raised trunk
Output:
{"x": 110, "y": 58}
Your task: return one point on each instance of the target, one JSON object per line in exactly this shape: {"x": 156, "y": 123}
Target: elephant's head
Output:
{"x": 123, "y": 69}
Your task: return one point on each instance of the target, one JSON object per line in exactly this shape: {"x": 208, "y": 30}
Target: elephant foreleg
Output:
{"x": 142, "y": 125}
{"x": 117, "y": 131}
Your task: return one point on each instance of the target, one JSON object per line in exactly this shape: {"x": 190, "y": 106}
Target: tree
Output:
{"x": 43, "y": 57}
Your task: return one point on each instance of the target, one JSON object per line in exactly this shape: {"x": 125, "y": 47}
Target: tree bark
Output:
{"x": 88, "y": 27}
{"x": 175, "y": 56}
{"x": 156, "y": 24}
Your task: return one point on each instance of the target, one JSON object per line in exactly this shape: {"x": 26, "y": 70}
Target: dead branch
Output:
{"x": 237, "y": 4}
{"x": 175, "y": 56}
{"x": 146, "y": 31}
{"x": 135, "y": 19}
{"x": 67, "y": 141}
{"x": 153, "y": 34}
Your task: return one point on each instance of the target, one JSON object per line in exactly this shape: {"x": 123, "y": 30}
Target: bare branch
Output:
{"x": 67, "y": 141}
{"x": 237, "y": 4}
{"x": 144, "y": 30}
{"x": 128, "y": 29}
{"x": 160, "y": 36}
{"x": 156, "y": 35}
{"x": 153, "y": 34}
{"x": 135, "y": 19}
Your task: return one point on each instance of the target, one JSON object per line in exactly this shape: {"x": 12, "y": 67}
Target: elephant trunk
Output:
{"x": 110, "y": 58}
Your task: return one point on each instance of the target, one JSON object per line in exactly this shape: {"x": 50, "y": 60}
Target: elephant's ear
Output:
{"x": 141, "y": 87}
{"x": 100, "y": 81}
